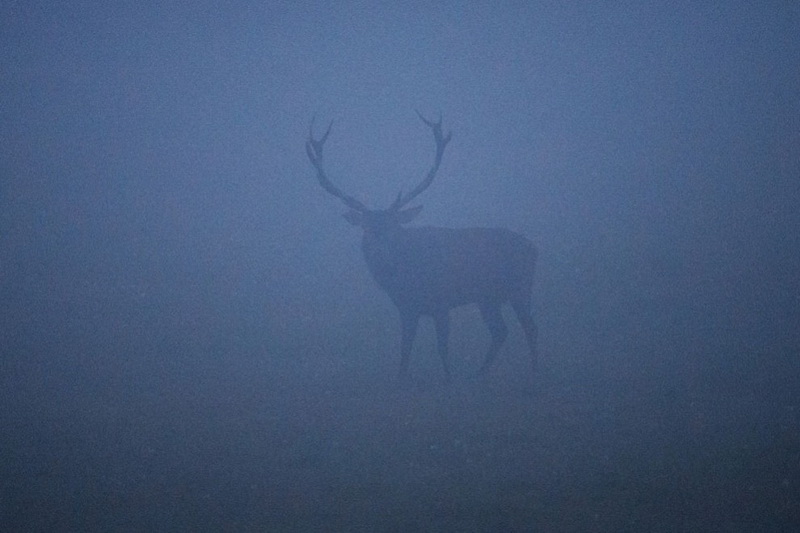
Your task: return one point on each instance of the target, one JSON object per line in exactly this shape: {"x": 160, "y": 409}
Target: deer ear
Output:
{"x": 407, "y": 215}
{"x": 354, "y": 217}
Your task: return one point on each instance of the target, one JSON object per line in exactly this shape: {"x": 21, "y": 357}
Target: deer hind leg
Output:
{"x": 442, "y": 322}
{"x": 409, "y": 326}
{"x": 493, "y": 317}
{"x": 522, "y": 308}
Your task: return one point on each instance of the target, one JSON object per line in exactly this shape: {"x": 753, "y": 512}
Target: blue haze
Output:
{"x": 189, "y": 337}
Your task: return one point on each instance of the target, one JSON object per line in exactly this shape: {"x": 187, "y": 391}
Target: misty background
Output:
{"x": 170, "y": 269}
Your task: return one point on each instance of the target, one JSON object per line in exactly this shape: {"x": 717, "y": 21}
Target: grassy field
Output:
{"x": 254, "y": 448}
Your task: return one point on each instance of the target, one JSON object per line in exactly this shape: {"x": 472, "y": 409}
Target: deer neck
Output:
{"x": 381, "y": 253}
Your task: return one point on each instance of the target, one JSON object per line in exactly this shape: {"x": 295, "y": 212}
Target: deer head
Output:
{"x": 377, "y": 221}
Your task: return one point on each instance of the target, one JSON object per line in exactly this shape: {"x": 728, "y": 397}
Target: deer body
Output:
{"x": 430, "y": 269}
{"x": 427, "y": 271}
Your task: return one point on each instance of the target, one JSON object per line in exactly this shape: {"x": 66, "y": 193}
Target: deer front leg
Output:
{"x": 442, "y": 322}
{"x": 522, "y": 308}
{"x": 409, "y": 323}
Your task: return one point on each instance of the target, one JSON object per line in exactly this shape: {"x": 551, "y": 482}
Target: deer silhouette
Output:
{"x": 426, "y": 271}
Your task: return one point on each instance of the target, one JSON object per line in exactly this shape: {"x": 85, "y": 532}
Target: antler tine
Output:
{"x": 441, "y": 143}
{"x": 318, "y": 144}
{"x": 314, "y": 150}
{"x": 430, "y": 123}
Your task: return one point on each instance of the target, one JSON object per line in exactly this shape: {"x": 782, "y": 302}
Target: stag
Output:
{"x": 427, "y": 271}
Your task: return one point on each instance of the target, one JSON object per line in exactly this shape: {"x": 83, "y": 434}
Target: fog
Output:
{"x": 190, "y": 338}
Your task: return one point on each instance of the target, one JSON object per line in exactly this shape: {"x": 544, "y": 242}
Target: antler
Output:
{"x": 441, "y": 143}
{"x": 314, "y": 151}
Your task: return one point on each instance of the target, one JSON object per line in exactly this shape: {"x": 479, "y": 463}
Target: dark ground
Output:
{"x": 175, "y": 444}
